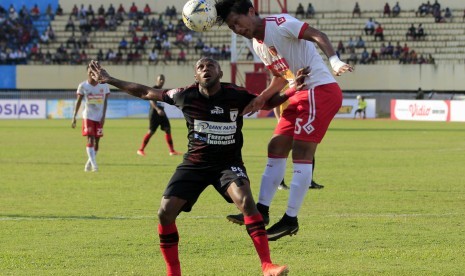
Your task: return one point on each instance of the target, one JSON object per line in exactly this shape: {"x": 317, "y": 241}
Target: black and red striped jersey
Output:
{"x": 214, "y": 123}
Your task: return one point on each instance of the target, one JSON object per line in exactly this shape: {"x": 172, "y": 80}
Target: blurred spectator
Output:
{"x": 430, "y": 59}
{"x": 373, "y": 56}
{"x": 70, "y": 24}
{"x": 411, "y": 33}
{"x": 382, "y": 51}
{"x": 356, "y": 10}
{"x": 379, "y": 32}
{"x": 59, "y": 10}
{"x": 100, "y": 56}
{"x": 111, "y": 11}
{"x": 44, "y": 39}
{"x": 300, "y": 11}
{"x": 420, "y": 95}
{"x": 389, "y": 52}
{"x": 35, "y": 12}
{"x": 364, "y": 57}
{"x": 463, "y": 17}
{"x": 352, "y": 59}
{"x": 423, "y": 10}
{"x": 123, "y": 44}
{"x": 420, "y": 34}
{"x": 199, "y": 45}
{"x": 133, "y": 10}
{"x": 360, "y": 43}
{"x": 166, "y": 45}
{"x": 121, "y": 11}
{"x": 71, "y": 42}
{"x": 119, "y": 57}
{"x": 75, "y": 11}
{"x": 167, "y": 56}
{"x": 82, "y": 12}
{"x": 90, "y": 11}
{"x": 110, "y": 56}
{"x": 438, "y": 18}
{"x": 153, "y": 57}
{"x": 421, "y": 59}
{"x": 129, "y": 57}
{"x": 181, "y": 57}
{"x": 350, "y": 44}
{"x": 136, "y": 57}
{"x": 49, "y": 12}
{"x": 340, "y": 48}
{"x": 436, "y": 5}
{"x": 387, "y": 10}
{"x": 83, "y": 40}
{"x": 396, "y": 10}
{"x": 101, "y": 10}
{"x": 84, "y": 58}
{"x": 448, "y": 15}
{"x": 147, "y": 10}
{"x": 370, "y": 26}
{"x": 310, "y": 13}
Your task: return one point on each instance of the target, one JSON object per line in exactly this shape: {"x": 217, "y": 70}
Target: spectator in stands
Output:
{"x": 71, "y": 42}
{"x": 181, "y": 57}
{"x": 436, "y": 5}
{"x": 199, "y": 45}
{"x": 83, "y": 40}
{"x": 350, "y": 44}
{"x": 397, "y": 51}
{"x": 166, "y": 45}
{"x": 396, "y": 10}
{"x": 188, "y": 40}
{"x": 360, "y": 43}
{"x": 49, "y": 12}
{"x": 448, "y": 15}
{"x": 356, "y": 10}
{"x": 364, "y": 56}
{"x": 153, "y": 57}
{"x": 300, "y": 11}
{"x": 167, "y": 56}
{"x": 382, "y": 51}
{"x": 100, "y": 56}
{"x": 147, "y": 10}
{"x": 370, "y": 26}
{"x": 70, "y": 24}
{"x": 111, "y": 11}
{"x": 82, "y": 12}
{"x": 411, "y": 33}
{"x": 12, "y": 14}
{"x": 373, "y": 56}
{"x": 44, "y": 39}
{"x": 129, "y": 57}
{"x": 422, "y": 10}
{"x": 110, "y": 56}
{"x": 121, "y": 11}
{"x": 352, "y": 59}
{"x": 136, "y": 57}
{"x": 389, "y": 50}
{"x": 59, "y": 10}
{"x": 420, "y": 95}
{"x": 119, "y": 57}
{"x": 101, "y": 10}
{"x": 430, "y": 59}
{"x": 35, "y": 12}
{"x": 412, "y": 57}
{"x": 340, "y": 48}
{"x": 310, "y": 13}
{"x": 405, "y": 49}
{"x": 420, "y": 34}
{"x": 123, "y": 44}
{"x": 421, "y": 59}
{"x": 379, "y": 32}
{"x": 387, "y": 10}
{"x": 179, "y": 39}
{"x": 463, "y": 17}
{"x": 133, "y": 10}
{"x": 438, "y": 18}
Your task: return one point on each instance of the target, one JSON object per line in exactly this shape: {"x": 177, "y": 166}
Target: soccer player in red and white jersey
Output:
{"x": 95, "y": 97}
{"x": 285, "y": 44}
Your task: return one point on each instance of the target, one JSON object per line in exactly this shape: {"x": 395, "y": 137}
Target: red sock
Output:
{"x": 256, "y": 229}
{"x": 169, "y": 141}
{"x": 169, "y": 239}
{"x": 145, "y": 141}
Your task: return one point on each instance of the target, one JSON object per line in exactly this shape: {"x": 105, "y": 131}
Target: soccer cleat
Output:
{"x": 141, "y": 152}
{"x": 283, "y": 186}
{"x": 281, "y": 229}
{"x": 175, "y": 153}
{"x": 88, "y": 166}
{"x": 274, "y": 270}
{"x": 315, "y": 185}
{"x": 239, "y": 219}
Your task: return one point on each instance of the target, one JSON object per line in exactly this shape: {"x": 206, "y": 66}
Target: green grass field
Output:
{"x": 393, "y": 203}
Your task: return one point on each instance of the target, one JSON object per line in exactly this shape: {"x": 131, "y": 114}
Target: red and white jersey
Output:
{"x": 94, "y": 98}
{"x": 283, "y": 51}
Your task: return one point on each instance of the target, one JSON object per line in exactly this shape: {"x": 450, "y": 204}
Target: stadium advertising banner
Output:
{"x": 428, "y": 110}
{"x": 22, "y": 109}
{"x": 349, "y": 106}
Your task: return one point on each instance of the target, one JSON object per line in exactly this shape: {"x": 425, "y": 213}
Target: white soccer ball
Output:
{"x": 199, "y": 15}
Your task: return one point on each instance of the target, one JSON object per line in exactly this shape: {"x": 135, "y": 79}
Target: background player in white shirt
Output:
{"x": 285, "y": 44}
{"x": 95, "y": 97}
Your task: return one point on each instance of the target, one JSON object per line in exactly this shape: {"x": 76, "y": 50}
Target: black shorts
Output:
{"x": 157, "y": 120}
{"x": 189, "y": 181}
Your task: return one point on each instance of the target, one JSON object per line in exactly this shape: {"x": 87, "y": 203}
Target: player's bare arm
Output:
{"x": 339, "y": 67}
{"x": 279, "y": 98}
{"x": 137, "y": 90}
{"x": 76, "y": 109}
{"x": 277, "y": 84}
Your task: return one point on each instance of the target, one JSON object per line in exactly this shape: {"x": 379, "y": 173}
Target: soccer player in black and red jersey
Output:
{"x": 213, "y": 114}
{"x": 157, "y": 117}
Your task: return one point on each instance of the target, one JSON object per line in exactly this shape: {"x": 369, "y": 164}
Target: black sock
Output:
{"x": 263, "y": 209}
{"x": 289, "y": 220}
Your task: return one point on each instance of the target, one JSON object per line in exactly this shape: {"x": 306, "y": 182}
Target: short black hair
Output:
{"x": 225, "y": 7}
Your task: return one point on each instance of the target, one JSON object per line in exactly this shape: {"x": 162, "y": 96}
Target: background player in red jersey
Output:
{"x": 213, "y": 114}
{"x": 157, "y": 117}
{"x": 95, "y": 96}
{"x": 285, "y": 44}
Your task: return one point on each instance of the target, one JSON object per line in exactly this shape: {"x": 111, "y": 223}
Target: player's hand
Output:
{"x": 98, "y": 73}
{"x": 254, "y": 106}
{"x": 73, "y": 123}
{"x": 344, "y": 68}
{"x": 302, "y": 73}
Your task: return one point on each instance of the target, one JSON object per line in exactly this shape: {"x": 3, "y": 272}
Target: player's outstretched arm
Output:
{"x": 138, "y": 90}
{"x": 279, "y": 98}
{"x": 339, "y": 67}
